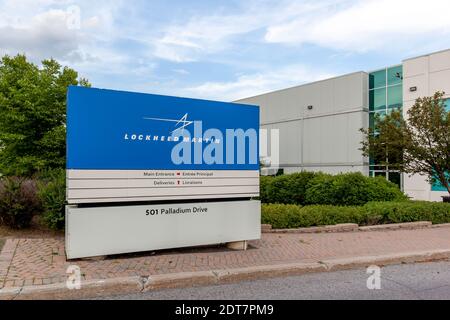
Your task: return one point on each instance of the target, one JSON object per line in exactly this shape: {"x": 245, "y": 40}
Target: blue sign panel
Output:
{"x": 113, "y": 130}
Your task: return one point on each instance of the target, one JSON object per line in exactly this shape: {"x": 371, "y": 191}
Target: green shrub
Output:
{"x": 278, "y": 190}
{"x": 407, "y": 211}
{"x": 18, "y": 202}
{"x": 282, "y": 216}
{"x": 288, "y": 189}
{"x": 320, "y": 190}
{"x": 52, "y": 192}
{"x": 264, "y": 183}
{"x": 350, "y": 189}
{"x": 322, "y": 215}
{"x": 380, "y": 189}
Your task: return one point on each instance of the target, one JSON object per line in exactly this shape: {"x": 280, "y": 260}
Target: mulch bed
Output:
{"x": 36, "y": 230}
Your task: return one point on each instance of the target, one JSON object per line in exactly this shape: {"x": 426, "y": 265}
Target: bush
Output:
{"x": 282, "y": 216}
{"x": 264, "y": 182}
{"x": 18, "y": 202}
{"x": 407, "y": 211}
{"x": 288, "y": 189}
{"x": 52, "y": 192}
{"x": 380, "y": 189}
{"x": 322, "y": 215}
{"x": 350, "y": 189}
{"x": 320, "y": 190}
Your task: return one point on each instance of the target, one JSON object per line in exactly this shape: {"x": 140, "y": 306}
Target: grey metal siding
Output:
{"x": 327, "y": 137}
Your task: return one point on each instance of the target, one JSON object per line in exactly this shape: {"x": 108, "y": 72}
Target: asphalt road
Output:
{"x": 407, "y": 281}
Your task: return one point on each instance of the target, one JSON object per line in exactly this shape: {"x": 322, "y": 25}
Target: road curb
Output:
{"x": 352, "y": 227}
{"x": 268, "y": 271}
{"x": 397, "y": 226}
{"x": 110, "y": 287}
{"x": 386, "y": 259}
{"x": 59, "y": 291}
{"x": 182, "y": 279}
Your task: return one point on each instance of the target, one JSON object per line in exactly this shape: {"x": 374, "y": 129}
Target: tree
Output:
{"x": 419, "y": 144}
{"x": 33, "y": 114}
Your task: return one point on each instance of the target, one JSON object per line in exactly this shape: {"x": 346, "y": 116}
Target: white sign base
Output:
{"x": 97, "y": 231}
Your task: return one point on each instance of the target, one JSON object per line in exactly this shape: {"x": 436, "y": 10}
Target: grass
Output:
{"x": 2, "y": 242}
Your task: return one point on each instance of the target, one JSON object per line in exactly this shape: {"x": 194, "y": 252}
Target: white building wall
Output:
{"x": 428, "y": 73}
{"x": 325, "y": 138}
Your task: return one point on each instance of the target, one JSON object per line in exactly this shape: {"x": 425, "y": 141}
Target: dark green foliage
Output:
{"x": 33, "y": 114}
{"x": 289, "y": 189}
{"x": 264, "y": 183}
{"x": 52, "y": 192}
{"x": 18, "y": 202}
{"x": 320, "y": 188}
{"x": 407, "y": 211}
{"x": 380, "y": 189}
{"x": 322, "y": 215}
{"x": 351, "y": 189}
{"x": 282, "y": 216}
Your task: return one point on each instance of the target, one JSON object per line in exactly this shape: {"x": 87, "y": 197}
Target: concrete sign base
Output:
{"x": 96, "y": 231}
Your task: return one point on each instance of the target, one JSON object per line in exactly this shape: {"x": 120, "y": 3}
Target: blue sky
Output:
{"x": 222, "y": 50}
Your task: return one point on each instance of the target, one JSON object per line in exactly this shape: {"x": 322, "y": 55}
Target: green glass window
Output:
{"x": 385, "y": 96}
{"x": 396, "y": 109}
{"x": 377, "y": 99}
{"x": 395, "y": 178}
{"x": 395, "y": 75}
{"x": 381, "y": 113}
{"x": 379, "y": 168}
{"x": 437, "y": 186}
{"x": 395, "y": 97}
{"x": 374, "y": 117}
{"x": 377, "y": 79}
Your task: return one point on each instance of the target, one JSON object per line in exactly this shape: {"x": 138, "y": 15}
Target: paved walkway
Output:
{"x": 42, "y": 261}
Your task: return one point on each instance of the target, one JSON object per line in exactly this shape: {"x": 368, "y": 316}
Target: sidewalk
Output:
{"x": 36, "y": 262}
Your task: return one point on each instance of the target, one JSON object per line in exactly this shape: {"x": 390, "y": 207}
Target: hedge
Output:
{"x": 409, "y": 211}
{"x": 348, "y": 189}
{"x": 282, "y": 216}
{"x": 290, "y": 188}
{"x": 264, "y": 183}
{"x": 351, "y": 189}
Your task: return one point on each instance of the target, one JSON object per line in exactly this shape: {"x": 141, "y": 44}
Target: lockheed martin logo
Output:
{"x": 183, "y": 121}
{"x": 203, "y": 146}
{"x": 180, "y": 125}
